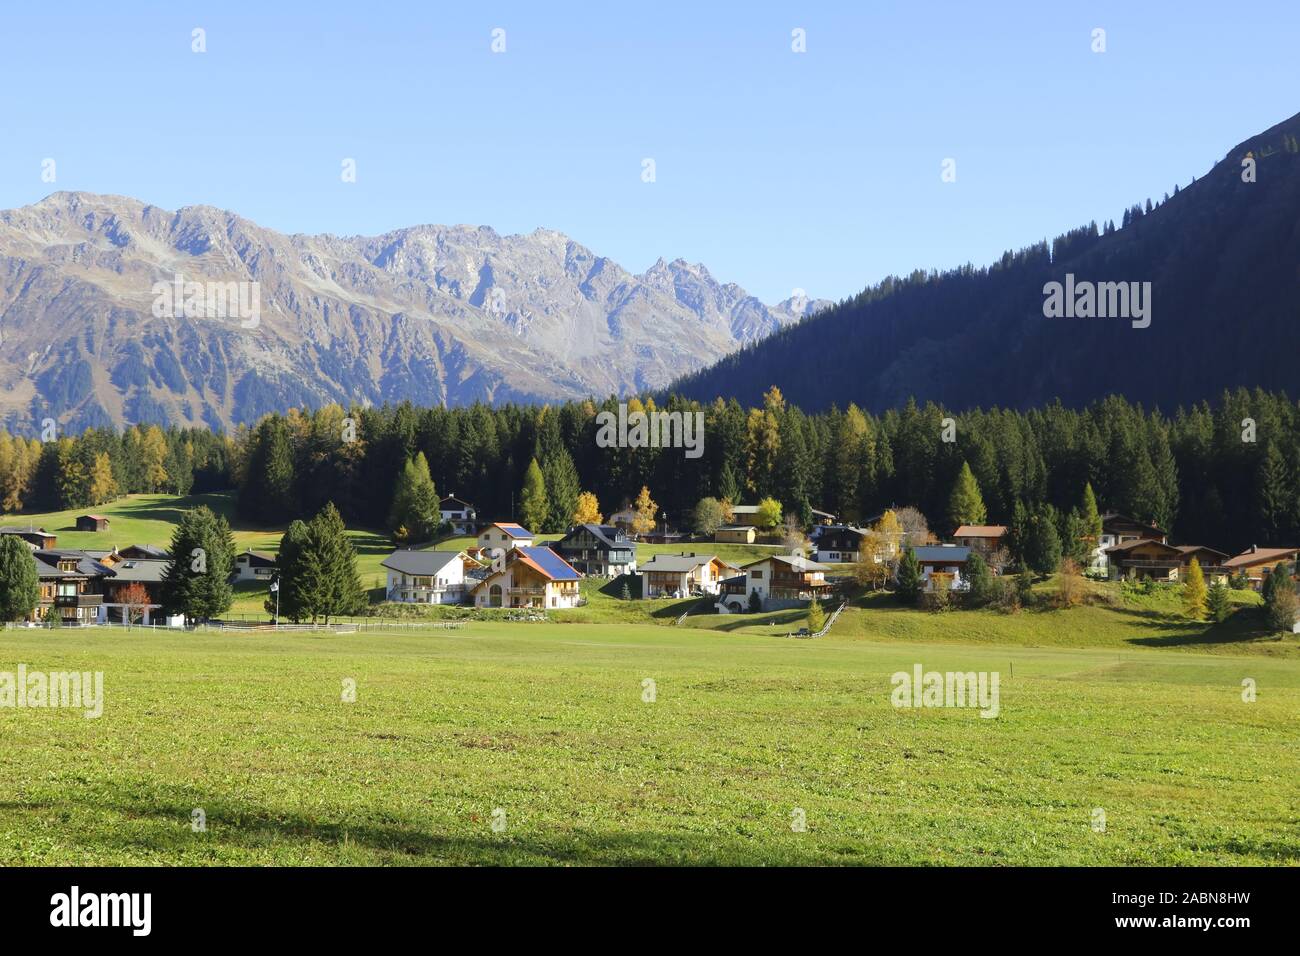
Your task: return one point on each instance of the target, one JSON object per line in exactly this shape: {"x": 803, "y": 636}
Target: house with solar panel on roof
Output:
{"x": 504, "y": 535}
{"x": 528, "y": 577}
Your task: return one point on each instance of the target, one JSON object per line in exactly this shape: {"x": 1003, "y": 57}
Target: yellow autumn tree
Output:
{"x": 101, "y": 486}
{"x": 645, "y": 508}
{"x": 588, "y": 510}
{"x": 153, "y": 455}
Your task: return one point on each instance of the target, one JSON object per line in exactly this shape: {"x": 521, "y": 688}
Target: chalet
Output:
{"x": 1120, "y": 529}
{"x": 71, "y": 582}
{"x": 427, "y": 577}
{"x": 142, "y": 551}
{"x": 92, "y": 523}
{"x": 822, "y": 517}
{"x": 459, "y": 514}
{"x": 947, "y": 559}
{"x": 1256, "y": 563}
{"x": 624, "y": 518}
{"x": 662, "y": 537}
{"x": 254, "y": 566}
{"x": 839, "y": 544}
{"x": 680, "y": 575}
{"x": 530, "y": 578}
{"x": 1210, "y": 560}
{"x": 504, "y": 535}
{"x": 128, "y": 572}
{"x": 779, "y": 580}
{"x": 987, "y": 539}
{"x": 38, "y": 538}
{"x": 735, "y": 534}
{"x": 598, "y": 550}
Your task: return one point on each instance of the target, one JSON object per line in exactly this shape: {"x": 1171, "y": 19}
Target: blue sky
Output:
{"x": 778, "y": 170}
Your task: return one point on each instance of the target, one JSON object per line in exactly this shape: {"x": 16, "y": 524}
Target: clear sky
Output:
{"x": 777, "y": 170}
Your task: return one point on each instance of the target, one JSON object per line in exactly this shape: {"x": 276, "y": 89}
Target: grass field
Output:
{"x": 547, "y": 723}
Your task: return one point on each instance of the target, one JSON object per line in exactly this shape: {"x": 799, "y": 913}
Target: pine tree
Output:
{"x": 534, "y": 506}
{"x": 415, "y": 512}
{"x": 966, "y": 505}
{"x": 1043, "y": 548}
{"x": 909, "y": 577}
{"x": 20, "y": 589}
{"x": 196, "y": 582}
{"x": 290, "y": 574}
{"x": 1194, "y": 591}
{"x": 560, "y": 478}
{"x": 1219, "y": 601}
{"x": 330, "y": 585}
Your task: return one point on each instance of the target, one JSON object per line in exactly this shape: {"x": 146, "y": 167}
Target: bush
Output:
{"x": 1008, "y": 595}
{"x": 1282, "y": 607}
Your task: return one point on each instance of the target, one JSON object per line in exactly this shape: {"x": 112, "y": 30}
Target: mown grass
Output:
{"x": 547, "y": 722}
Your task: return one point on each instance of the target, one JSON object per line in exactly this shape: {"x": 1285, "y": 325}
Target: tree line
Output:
{"x": 1223, "y": 475}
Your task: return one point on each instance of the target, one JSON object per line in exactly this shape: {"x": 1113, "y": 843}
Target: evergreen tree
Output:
{"x": 290, "y": 574}
{"x": 1194, "y": 591}
{"x": 966, "y": 504}
{"x": 330, "y": 585}
{"x": 1219, "y": 601}
{"x": 1043, "y": 548}
{"x": 268, "y": 491}
{"x": 414, "y": 516}
{"x": 534, "y": 506}
{"x": 196, "y": 581}
{"x": 909, "y": 577}
{"x": 560, "y": 479}
{"x": 980, "y": 578}
{"x": 20, "y": 588}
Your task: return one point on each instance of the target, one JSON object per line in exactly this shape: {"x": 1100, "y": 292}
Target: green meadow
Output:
{"x": 545, "y": 729}
{"x": 535, "y": 743}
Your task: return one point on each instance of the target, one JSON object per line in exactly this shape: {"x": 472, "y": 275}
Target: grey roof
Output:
{"x": 942, "y": 552}
{"x": 86, "y": 565}
{"x": 605, "y": 534}
{"x": 420, "y": 562}
{"x": 676, "y": 562}
{"x": 146, "y": 571}
{"x": 799, "y": 564}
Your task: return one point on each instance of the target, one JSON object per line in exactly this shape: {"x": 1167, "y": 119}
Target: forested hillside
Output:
{"x": 1223, "y": 260}
{"x": 1192, "y": 472}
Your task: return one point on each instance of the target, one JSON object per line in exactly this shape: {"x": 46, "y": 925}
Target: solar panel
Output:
{"x": 551, "y": 563}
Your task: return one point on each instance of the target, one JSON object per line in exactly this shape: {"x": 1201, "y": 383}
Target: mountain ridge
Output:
{"x": 431, "y": 313}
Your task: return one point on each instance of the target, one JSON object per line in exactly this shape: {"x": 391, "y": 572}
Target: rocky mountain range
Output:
{"x": 114, "y": 311}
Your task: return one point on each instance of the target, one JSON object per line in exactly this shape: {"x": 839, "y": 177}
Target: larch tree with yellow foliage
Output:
{"x": 645, "y": 509}
{"x": 588, "y": 510}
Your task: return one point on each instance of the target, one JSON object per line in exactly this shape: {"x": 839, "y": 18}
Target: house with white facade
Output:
{"x": 459, "y": 514}
{"x": 426, "y": 577}
{"x": 949, "y": 559}
{"x": 504, "y": 535}
{"x": 681, "y": 575}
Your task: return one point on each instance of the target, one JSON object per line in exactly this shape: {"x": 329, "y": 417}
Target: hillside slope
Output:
{"x": 1223, "y": 260}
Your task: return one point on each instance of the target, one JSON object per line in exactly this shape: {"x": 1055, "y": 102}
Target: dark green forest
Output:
{"x": 1223, "y": 475}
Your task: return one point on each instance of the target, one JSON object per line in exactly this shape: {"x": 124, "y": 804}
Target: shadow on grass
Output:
{"x": 235, "y": 824}
{"x": 1243, "y": 626}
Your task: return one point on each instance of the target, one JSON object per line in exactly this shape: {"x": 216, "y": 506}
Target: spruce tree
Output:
{"x": 1043, "y": 548}
{"x": 534, "y": 507}
{"x": 196, "y": 582}
{"x": 20, "y": 587}
{"x": 330, "y": 583}
{"x": 414, "y": 516}
{"x": 966, "y": 505}
{"x": 980, "y": 579}
{"x": 909, "y": 577}
{"x": 560, "y": 479}
{"x": 290, "y": 574}
{"x": 1218, "y": 601}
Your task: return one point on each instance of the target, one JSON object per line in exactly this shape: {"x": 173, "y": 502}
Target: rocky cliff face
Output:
{"x": 99, "y": 323}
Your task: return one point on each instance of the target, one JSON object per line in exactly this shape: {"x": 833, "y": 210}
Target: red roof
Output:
{"x": 980, "y": 531}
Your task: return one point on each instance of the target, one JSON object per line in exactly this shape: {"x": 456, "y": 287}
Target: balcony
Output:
{"x": 78, "y": 600}
{"x": 429, "y": 595}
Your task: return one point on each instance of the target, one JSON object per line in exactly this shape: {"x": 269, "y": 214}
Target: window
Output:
{"x": 756, "y": 575}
